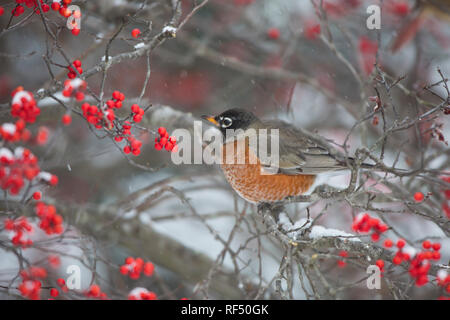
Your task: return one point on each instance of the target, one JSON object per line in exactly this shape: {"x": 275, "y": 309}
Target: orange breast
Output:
{"x": 247, "y": 180}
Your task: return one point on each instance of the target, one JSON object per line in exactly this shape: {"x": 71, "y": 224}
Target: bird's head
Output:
{"x": 232, "y": 119}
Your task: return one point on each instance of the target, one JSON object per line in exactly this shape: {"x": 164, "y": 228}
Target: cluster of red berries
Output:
{"x": 74, "y": 88}
{"x": 138, "y": 113}
{"x": 134, "y": 267}
{"x": 77, "y": 65}
{"x": 365, "y": 223}
{"x": 133, "y": 145}
{"x": 443, "y": 280}
{"x": 400, "y": 255}
{"x": 96, "y": 116}
{"x": 50, "y": 221}
{"x": 21, "y": 228}
{"x": 17, "y": 167}
{"x": 23, "y": 105}
{"x": 20, "y": 8}
{"x": 164, "y": 141}
{"x": 30, "y": 287}
{"x": 311, "y": 29}
{"x": 56, "y": 6}
{"x": 95, "y": 292}
{"x": 420, "y": 264}
{"x": 116, "y": 100}
{"x": 93, "y": 115}
{"x": 15, "y": 132}
{"x": 141, "y": 294}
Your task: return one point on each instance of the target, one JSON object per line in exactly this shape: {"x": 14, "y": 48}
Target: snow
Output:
{"x": 21, "y": 94}
{"x": 442, "y": 274}
{"x": 18, "y": 152}
{"x": 45, "y": 175}
{"x": 169, "y": 29}
{"x": 75, "y": 83}
{"x": 316, "y": 232}
{"x": 410, "y": 251}
{"x": 139, "y": 45}
{"x": 6, "y": 153}
{"x": 9, "y": 128}
{"x": 104, "y": 58}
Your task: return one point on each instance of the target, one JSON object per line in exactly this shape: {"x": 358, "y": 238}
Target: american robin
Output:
{"x": 301, "y": 158}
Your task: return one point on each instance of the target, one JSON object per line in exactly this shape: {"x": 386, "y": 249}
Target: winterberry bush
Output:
{"x": 92, "y": 206}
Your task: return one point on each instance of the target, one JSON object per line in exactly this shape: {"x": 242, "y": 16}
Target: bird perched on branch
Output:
{"x": 301, "y": 156}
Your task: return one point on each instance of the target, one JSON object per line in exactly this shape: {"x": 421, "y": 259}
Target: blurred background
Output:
{"x": 311, "y": 63}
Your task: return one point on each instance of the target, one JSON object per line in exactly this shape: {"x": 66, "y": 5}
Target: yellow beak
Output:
{"x": 211, "y": 119}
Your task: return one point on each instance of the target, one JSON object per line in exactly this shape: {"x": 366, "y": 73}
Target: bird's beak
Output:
{"x": 211, "y": 119}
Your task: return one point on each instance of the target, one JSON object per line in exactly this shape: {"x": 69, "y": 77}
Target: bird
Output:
{"x": 302, "y": 156}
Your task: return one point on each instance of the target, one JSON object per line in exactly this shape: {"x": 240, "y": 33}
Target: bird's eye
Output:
{"x": 226, "y": 122}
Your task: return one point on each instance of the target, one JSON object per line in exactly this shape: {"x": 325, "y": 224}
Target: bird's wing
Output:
{"x": 300, "y": 153}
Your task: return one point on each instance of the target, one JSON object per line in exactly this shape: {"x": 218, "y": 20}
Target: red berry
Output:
{"x": 375, "y": 237}
{"x": 388, "y": 243}
{"x": 53, "y": 180}
{"x": 66, "y": 119}
{"x": 436, "y": 255}
{"x": 61, "y": 282}
{"x": 94, "y": 290}
{"x": 54, "y": 292}
{"x": 2, "y": 10}
{"x": 401, "y": 243}
{"x": 124, "y": 270}
{"x": 56, "y": 6}
{"x": 135, "y": 33}
{"x": 426, "y": 244}
{"x": 129, "y": 260}
{"x": 273, "y": 33}
{"x": 397, "y": 260}
{"x": 162, "y": 131}
{"x": 380, "y": 264}
{"x": 75, "y": 31}
{"x": 437, "y": 246}
{"x": 135, "y": 108}
{"x": 148, "y": 269}
{"x": 37, "y": 195}
{"x": 418, "y": 196}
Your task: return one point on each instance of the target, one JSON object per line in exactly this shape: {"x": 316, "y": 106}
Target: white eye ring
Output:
{"x": 226, "y": 122}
